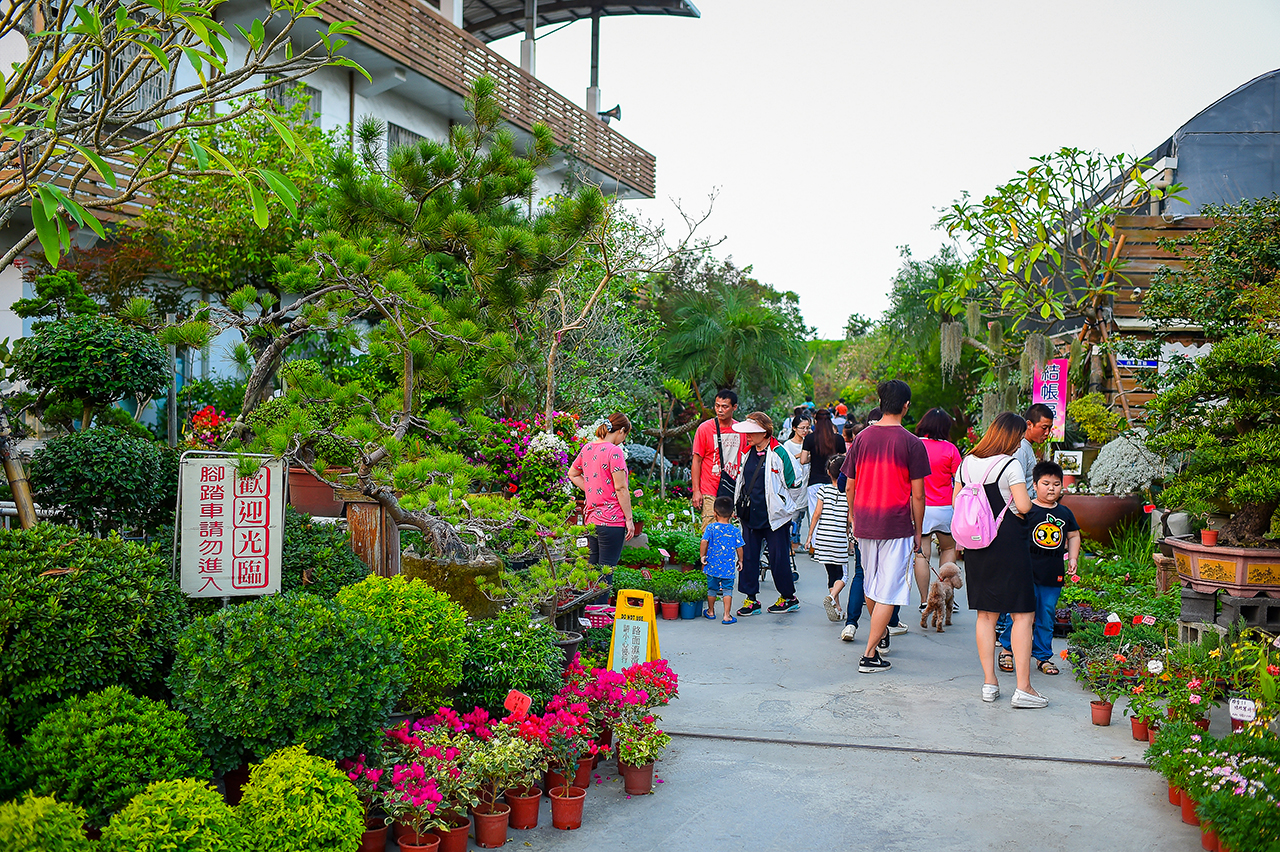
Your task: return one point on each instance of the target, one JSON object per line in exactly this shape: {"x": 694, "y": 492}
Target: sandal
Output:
{"x": 1006, "y": 661}
{"x": 708, "y": 615}
{"x": 730, "y": 620}
{"x": 1047, "y": 667}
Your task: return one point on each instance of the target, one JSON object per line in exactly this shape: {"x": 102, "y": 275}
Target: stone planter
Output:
{"x": 1098, "y": 514}
{"x": 1242, "y": 571}
{"x": 456, "y": 579}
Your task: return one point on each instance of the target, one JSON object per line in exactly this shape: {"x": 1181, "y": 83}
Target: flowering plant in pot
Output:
{"x": 656, "y": 678}
{"x": 367, "y": 780}
{"x": 1237, "y": 791}
{"x": 640, "y": 742}
{"x": 414, "y": 798}
{"x": 444, "y": 755}
{"x": 568, "y": 738}
{"x": 502, "y": 761}
{"x": 606, "y": 694}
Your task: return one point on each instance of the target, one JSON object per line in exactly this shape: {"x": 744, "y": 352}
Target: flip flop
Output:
{"x": 708, "y": 615}
{"x": 1047, "y": 667}
{"x": 1005, "y": 661}
{"x": 730, "y": 620}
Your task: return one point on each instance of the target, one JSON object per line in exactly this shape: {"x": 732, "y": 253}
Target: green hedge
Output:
{"x": 295, "y": 802}
{"x": 41, "y": 824}
{"x": 510, "y": 651}
{"x": 317, "y": 558}
{"x": 175, "y": 816}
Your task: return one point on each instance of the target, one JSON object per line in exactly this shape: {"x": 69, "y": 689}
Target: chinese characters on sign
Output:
{"x": 1049, "y": 386}
{"x": 231, "y": 528}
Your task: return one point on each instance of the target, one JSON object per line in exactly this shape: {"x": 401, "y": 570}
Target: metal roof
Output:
{"x": 489, "y": 20}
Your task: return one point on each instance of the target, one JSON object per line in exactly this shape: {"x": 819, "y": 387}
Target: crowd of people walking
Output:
{"x": 866, "y": 500}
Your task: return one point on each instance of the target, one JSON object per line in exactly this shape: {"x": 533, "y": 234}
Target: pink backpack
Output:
{"x": 972, "y": 524}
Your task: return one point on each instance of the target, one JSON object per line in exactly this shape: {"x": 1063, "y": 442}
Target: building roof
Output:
{"x": 489, "y": 20}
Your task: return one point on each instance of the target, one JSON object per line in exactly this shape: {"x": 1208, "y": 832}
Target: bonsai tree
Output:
{"x": 1218, "y": 417}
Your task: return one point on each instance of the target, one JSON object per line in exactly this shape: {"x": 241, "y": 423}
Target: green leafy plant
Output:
{"x": 667, "y": 584}
{"x": 630, "y": 578}
{"x": 429, "y": 626}
{"x": 79, "y": 614}
{"x": 694, "y": 590}
{"x": 317, "y": 558}
{"x": 1174, "y": 752}
{"x": 101, "y": 750}
{"x": 297, "y": 802}
{"x": 1095, "y": 417}
{"x": 69, "y": 471}
{"x": 639, "y": 741}
{"x": 506, "y": 760}
{"x": 640, "y": 556}
{"x": 185, "y": 815}
{"x": 283, "y": 670}
{"x": 42, "y": 824}
{"x": 510, "y": 651}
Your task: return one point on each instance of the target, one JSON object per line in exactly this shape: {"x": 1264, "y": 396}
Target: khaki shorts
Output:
{"x": 708, "y": 510}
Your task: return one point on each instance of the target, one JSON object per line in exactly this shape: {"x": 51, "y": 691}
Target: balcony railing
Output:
{"x": 405, "y": 31}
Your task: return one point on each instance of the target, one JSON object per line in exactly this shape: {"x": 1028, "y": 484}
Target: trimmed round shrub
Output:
{"x": 296, "y": 802}
{"x": 285, "y": 670}
{"x": 102, "y": 750}
{"x": 93, "y": 357}
{"x": 427, "y": 622}
{"x": 42, "y": 824}
{"x": 175, "y": 816}
{"x": 317, "y": 558}
{"x": 79, "y": 613}
{"x": 510, "y": 651}
{"x": 105, "y": 479}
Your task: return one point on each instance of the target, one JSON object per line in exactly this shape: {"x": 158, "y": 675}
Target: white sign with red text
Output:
{"x": 232, "y": 527}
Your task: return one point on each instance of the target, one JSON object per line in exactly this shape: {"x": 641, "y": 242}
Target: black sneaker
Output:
{"x": 884, "y": 642}
{"x": 785, "y": 605}
{"x": 749, "y": 607}
{"x": 870, "y": 665}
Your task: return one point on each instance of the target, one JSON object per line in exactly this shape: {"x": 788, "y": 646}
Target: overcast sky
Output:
{"x": 834, "y": 129}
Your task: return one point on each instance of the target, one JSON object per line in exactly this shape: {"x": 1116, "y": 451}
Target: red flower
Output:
{"x": 1273, "y": 670}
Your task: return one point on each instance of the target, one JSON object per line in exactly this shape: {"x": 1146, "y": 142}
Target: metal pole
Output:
{"x": 172, "y": 397}
{"x": 530, "y": 18}
{"x": 595, "y": 48}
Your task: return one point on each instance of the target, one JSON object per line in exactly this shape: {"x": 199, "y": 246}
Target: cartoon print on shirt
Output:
{"x": 1048, "y": 533}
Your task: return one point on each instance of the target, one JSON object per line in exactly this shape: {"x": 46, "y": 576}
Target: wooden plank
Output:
{"x": 367, "y": 528}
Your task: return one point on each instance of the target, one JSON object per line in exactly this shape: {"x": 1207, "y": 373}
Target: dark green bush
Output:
{"x": 40, "y": 824}
{"x": 175, "y": 816}
{"x": 283, "y": 670}
{"x": 96, "y": 359}
{"x": 104, "y": 479}
{"x": 317, "y": 558}
{"x": 312, "y": 416}
{"x": 101, "y": 750}
{"x": 79, "y": 613}
{"x": 296, "y": 802}
{"x": 510, "y": 651}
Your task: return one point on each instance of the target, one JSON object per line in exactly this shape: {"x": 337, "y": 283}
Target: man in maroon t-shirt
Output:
{"x": 886, "y": 467}
{"x": 707, "y": 463}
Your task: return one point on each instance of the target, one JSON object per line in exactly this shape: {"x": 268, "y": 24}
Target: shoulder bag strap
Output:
{"x": 719, "y": 446}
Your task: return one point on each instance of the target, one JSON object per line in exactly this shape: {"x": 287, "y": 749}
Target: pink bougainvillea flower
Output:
{"x": 1193, "y": 698}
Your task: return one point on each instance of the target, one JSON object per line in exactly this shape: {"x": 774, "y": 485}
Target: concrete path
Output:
{"x": 898, "y": 769}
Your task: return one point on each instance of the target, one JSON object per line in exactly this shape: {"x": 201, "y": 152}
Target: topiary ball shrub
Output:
{"x": 296, "y": 802}
{"x": 431, "y": 627}
{"x": 104, "y": 479}
{"x": 175, "y": 816}
{"x": 317, "y": 558}
{"x": 42, "y": 824}
{"x": 101, "y": 750}
{"x": 510, "y": 651}
{"x": 94, "y": 358}
{"x": 284, "y": 670}
{"x": 79, "y": 613}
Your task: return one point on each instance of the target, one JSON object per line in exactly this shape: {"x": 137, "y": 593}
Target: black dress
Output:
{"x": 999, "y": 576}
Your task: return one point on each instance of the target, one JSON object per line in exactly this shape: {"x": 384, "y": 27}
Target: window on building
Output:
{"x": 290, "y": 94}
{"x": 397, "y": 136}
{"x": 133, "y": 94}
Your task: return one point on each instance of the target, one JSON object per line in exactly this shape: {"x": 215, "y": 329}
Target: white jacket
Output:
{"x": 783, "y": 507}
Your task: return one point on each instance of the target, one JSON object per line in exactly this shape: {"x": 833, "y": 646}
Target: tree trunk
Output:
{"x": 1250, "y": 522}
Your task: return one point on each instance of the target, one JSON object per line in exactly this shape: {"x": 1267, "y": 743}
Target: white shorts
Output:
{"x": 886, "y": 569}
{"x": 938, "y": 519}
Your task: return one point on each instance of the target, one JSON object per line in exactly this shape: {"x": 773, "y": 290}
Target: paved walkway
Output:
{"x": 901, "y": 773}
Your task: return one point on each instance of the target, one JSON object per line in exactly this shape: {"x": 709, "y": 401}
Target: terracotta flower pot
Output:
{"x": 1237, "y": 725}
{"x": 566, "y": 811}
{"x": 553, "y": 782}
{"x": 374, "y": 838}
{"x": 1208, "y": 838}
{"x": 637, "y": 780}
{"x": 491, "y": 825}
{"x": 1202, "y": 724}
{"x": 1101, "y": 712}
{"x": 454, "y": 839}
{"x": 1152, "y": 731}
{"x": 1209, "y": 538}
{"x": 582, "y": 778}
{"x": 524, "y": 807}
{"x": 1175, "y": 795}
{"x": 310, "y": 495}
{"x": 1188, "y": 809}
{"x": 419, "y": 843}
{"x": 670, "y": 610}
{"x": 1098, "y": 514}
{"x": 1139, "y": 728}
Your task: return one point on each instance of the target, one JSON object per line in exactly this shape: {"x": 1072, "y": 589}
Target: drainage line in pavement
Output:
{"x": 1124, "y": 764}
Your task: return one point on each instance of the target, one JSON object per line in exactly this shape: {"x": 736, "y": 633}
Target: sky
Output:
{"x": 834, "y": 130}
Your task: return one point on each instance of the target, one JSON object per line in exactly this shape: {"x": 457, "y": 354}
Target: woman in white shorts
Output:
{"x": 934, "y": 429}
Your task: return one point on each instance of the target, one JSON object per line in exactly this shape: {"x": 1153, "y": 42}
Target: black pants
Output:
{"x": 779, "y": 543}
{"x": 605, "y": 546}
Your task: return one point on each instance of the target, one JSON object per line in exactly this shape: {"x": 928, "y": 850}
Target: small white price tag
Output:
{"x": 1243, "y": 709}
{"x": 582, "y": 541}
{"x": 1148, "y": 619}
{"x": 584, "y": 624}
{"x": 671, "y": 517}
{"x": 664, "y": 553}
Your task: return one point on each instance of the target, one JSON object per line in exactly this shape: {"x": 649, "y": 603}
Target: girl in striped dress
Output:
{"x": 828, "y": 540}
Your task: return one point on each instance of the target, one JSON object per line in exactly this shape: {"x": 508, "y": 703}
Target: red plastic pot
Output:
{"x": 374, "y": 839}
{"x": 1175, "y": 795}
{"x": 1208, "y": 838}
{"x": 637, "y": 780}
{"x": 582, "y": 778}
{"x": 566, "y": 811}
{"x": 454, "y": 839}
{"x": 412, "y": 842}
{"x": 1209, "y": 538}
{"x": 1202, "y": 724}
{"x": 524, "y": 807}
{"x": 310, "y": 495}
{"x": 1101, "y": 712}
{"x": 1139, "y": 728}
{"x": 671, "y": 610}
{"x": 491, "y": 825}
{"x": 1188, "y": 809}
{"x": 1237, "y": 725}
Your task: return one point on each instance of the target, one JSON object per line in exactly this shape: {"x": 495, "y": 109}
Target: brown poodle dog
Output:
{"x": 942, "y": 592}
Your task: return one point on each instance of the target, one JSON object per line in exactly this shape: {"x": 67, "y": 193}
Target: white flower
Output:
{"x": 1155, "y": 667}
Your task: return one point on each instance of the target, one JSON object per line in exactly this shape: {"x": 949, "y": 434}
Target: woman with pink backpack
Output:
{"x": 990, "y": 503}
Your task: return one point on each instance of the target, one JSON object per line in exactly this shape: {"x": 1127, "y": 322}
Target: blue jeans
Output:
{"x": 853, "y": 609}
{"x": 1042, "y": 631}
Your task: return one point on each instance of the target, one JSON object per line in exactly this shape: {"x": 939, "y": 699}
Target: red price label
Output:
{"x": 517, "y": 702}
{"x": 1112, "y": 629}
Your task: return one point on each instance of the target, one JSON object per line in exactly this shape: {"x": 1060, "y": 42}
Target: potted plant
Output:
{"x": 1237, "y": 795}
{"x": 640, "y": 517}
{"x": 443, "y": 752}
{"x": 1167, "y": 755}
{"x": 667, "y": 589}
{"x": 568, "y": 738}
{"x": 305, "y": 798}
{"x": 522, "y": 792}
{"x": 639, "y": 743}
{"x": 367, "y": 780}
{"x": 693, "y": 597}
{"x": 501, "y": 762}
{"x": 413, "y": 800}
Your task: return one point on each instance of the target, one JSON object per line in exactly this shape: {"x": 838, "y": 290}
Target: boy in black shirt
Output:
{"x": 1055, "y": 537}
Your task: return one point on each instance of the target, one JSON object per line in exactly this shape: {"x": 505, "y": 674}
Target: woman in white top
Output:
{"x": 800, "y": 427}
{"x": 1000, "y": 574}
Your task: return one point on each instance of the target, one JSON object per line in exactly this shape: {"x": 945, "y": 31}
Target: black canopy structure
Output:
{"x": 490, "y": 20}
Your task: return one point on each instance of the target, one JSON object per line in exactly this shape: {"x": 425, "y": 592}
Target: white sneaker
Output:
{"x": 849, "y": 632}
{"x": 1027, "y": 701}
{"x": 832, "y": 608}
{"x": 898, "y": 629}
{"x": 990, "y": 692}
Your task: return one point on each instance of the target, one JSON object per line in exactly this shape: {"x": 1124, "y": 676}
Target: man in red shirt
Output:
{"x": 886, "y": 468}
{"x": 708, "y": 461}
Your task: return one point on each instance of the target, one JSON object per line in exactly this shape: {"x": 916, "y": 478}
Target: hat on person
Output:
{"x": 747, "y": 426}
{"x": 842, "y": 409}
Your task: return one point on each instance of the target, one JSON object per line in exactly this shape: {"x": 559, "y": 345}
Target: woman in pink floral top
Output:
{"x": 600, "y": 470}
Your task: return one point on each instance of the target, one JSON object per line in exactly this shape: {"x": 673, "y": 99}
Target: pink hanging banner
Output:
{"x": 1049, "y": 386}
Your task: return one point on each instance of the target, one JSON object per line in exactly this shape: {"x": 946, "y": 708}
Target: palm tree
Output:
{"x": 726, "y": 336}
